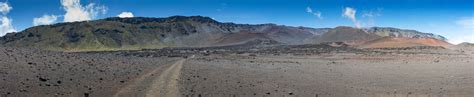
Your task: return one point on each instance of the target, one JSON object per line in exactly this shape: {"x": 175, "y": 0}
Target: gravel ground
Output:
{"x": 299, "y": 71}
{"x": 330, "y": 75}
{"x": 26, "y": 72}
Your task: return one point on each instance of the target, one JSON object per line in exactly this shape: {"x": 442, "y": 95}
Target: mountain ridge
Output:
{"x": 176, "y": 31}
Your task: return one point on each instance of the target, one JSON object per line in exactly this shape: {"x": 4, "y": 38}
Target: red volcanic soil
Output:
{"x": 391, "y": 42}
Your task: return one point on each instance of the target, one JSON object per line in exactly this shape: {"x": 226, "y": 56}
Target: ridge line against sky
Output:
{"x": 453, "y": 19}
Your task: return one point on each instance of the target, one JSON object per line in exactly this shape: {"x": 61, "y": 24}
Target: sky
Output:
{"x": 453, "y": 19}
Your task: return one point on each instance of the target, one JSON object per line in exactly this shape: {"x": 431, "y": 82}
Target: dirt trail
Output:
{"x": 161, "y": 82}
{"x": 166, "y": 85}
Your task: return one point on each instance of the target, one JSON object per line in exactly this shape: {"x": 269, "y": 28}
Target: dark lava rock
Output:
{"x": 43, "y": 79}
{"x": 86, "y": 94}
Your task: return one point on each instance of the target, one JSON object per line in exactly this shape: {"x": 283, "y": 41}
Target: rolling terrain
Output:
{"x": 348, "y": 35}
{"x": 391, "y": 42}
{"x": 148, "y": 33}
{"x": 182, "y": 31}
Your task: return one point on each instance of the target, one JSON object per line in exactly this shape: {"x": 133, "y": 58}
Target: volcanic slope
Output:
{"x": 150, "y": 33}
{"x": 185, "y": 31}
{"x": 391, "y": 42}
{"x": 348, "y": 35}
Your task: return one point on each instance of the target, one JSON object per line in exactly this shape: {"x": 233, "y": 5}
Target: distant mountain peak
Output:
{"x": 344, "y": 27}
{"x": 139, "y": 20}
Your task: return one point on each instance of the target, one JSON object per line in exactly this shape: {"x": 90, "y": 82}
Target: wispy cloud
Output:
{"x": 126, "y": 15}
{"x": 350, "y": 13}
{"x": 6, "y": 23}
{"x": 315, "y": 13}
{"x": 370, "y": 16}
{"x": 45, "y": 20}
{"x": 466, "y": 22}
{"x": 309, "y": 10}
{"x": 5, "y": 8}
{"x": 76, "y": 12}
{"x": 372, "y": 13}
{"x": 222, "y": 7}
{"x": 464, "y": 32}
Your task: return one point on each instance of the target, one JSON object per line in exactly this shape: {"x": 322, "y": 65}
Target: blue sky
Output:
{"x": 451, "y": 18}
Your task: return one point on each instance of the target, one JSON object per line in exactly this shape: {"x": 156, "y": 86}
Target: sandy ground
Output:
{"x": 27, "y": 73}
{"x": 330, "y": 75}
{"x": 161, "y": 82}
{"x": 410, "y": 73}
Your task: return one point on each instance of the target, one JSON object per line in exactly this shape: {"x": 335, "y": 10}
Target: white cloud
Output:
{"x": 6, "y": 23}
{"x": 318, "y": 14}
{"x": 350, "y": 13}
{"x": 464, "y": 32}
{"x": 45, "y": 20}
{"x": 5, "y": 8}
{"x": 126, "y": 15}
{"x": 6, "y": 26}
{"x": 76, "y": 12}
{"x": 461, "y": 39}
{"x": 315, "y": 13}
{"x": 467, "y": 22}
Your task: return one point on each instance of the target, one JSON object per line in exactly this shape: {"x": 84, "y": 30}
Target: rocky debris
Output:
{"x": 307, "y": 49}
{"x": 31, "y": 72}
{"x": 43, "y": 80}
{"x": 279, "y": 70}
{"x": 363, "y": 73}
